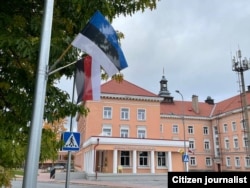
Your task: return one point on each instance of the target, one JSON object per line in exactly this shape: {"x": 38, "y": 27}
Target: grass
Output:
{"x": 19, "y": 172}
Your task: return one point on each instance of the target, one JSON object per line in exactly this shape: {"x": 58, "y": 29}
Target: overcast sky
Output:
{"x": 193, "y": 41}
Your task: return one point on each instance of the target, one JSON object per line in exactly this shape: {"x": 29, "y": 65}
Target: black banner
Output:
{"x": 208, "y": 179}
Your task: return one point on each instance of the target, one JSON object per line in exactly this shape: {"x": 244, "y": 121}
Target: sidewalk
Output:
{"x": 45, "y": 177}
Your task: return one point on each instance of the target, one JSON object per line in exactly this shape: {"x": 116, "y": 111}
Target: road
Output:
{"x": 18, "y": 184}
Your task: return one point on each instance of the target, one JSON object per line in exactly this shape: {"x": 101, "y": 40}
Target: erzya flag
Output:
{"x": 88, "y": 79}
{"x": 191, "y": 151}
{"x": 99, "y": 40}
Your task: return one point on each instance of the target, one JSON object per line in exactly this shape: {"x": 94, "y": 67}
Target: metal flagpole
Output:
{"x": 71, "y": 129}
{"x": 32, "y": 159}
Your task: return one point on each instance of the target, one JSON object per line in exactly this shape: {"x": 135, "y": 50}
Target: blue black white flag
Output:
{"x": 99, "y": 40}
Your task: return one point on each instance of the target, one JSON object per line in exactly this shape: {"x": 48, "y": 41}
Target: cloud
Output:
{"x": 193, "y": 42}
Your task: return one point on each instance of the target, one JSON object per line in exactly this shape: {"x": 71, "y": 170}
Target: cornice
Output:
{"x": 209, "y": 118}
{"x": 165, "y": 116}
{"x": 131, "y": 97}
{"x": 132, "y": 142}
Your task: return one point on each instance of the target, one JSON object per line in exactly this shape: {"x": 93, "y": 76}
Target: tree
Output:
{"x": 20, "y": 30}
{"x": 58, "y": 127}
{"x": 51, "y": 139}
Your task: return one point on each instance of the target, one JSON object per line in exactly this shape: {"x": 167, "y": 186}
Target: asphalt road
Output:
{"x": 18, "y": 184}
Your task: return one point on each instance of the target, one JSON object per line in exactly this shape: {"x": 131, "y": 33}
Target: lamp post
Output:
{"x": 184, "y": 130}
{"x": 240, "y": 66}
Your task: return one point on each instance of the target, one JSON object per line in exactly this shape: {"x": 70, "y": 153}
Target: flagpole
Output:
{"x": 32, "y": 158}
{"x": 52, "y": 72}
{"x": 60, "y": 58}
{"x": 71, "y": 129}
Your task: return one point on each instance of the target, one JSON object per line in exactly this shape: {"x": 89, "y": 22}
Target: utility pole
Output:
{"x": 240, "y": 65}
{"x": 184, "y": 131}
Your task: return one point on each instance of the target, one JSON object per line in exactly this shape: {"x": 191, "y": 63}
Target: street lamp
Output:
{"x": 184, "y": 130}
{"x": 240, "y": 66}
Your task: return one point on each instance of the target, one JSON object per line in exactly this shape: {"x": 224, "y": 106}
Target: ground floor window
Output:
{"x": 161, "y": 159}
{"x": 208, "y": 161}
{"x": 125, "y": 158}
{"x": 143, "y": 158}
{"x": 247, "y": 161}
{"x": 192, "y": 161}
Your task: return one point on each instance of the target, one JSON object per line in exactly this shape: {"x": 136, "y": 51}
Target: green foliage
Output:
{"x": 20, "y": 31}
{"x": 5, "y": 177}
{"x": 49, "y": 145}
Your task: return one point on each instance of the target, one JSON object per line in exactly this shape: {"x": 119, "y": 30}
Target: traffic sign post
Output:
{"x": 185, "y": 158}
{"x": 71, "y": 141}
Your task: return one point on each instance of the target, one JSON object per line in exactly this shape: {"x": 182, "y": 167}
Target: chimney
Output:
{"x": 195, "y": 104}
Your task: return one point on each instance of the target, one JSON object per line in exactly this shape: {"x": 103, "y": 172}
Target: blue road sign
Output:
{"x": 71, "y": 141}
{"x": 185, "y": 158}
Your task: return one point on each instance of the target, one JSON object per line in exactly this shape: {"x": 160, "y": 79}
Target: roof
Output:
{"x": 185, "y": 107}
{"x": 230, "y": 104}
{"x": 125, "y": 88}
{"x": 177, "y": 107}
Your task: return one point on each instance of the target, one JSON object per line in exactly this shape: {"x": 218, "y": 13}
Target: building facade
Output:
{"x": 132, "y": 130}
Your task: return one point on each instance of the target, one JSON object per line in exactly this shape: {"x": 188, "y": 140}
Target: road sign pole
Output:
{"x": 185, "y": 160}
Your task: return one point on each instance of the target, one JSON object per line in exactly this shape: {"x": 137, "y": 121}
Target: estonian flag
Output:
{"x": 100, "y": 41}
{"x": 88, "y": 79}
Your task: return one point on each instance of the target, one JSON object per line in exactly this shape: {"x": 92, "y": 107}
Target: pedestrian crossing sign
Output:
{"x": 185, "y": 158}
{"x": 71, "y": 141}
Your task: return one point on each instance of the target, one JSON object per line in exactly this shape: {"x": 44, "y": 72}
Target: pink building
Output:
{"x": 132, "y": 130}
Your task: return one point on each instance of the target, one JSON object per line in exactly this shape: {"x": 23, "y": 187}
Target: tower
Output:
{"x": 164, "y": 90}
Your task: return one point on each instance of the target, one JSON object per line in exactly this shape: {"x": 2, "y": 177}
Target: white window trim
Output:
{"x": 236, "y": 137}
{"x": 225, "y": 143}
{"x": 210, "y": 161}
{"x": 245, "y": 159}
{"x": 148, "y": 160}
{"x": 110, "y": 114}
{"x": 232, "y": 123}
{"x": 121, "y": 113}
{"x": 209, "y": 145}
{"x": 166, "y": 161}
{"x": 130, "y": 158}
{"x": 228, "y": 161}
{"x": 235, "y": 161}
{"x": 177, "y": 129}
{"x": 124, "y": 127}
{"x": 191, "y": 140}
{"x": 193, "y": 159}
{"x": 243, "y": 141}
{"x": 142, "y": 128}
{"x": 192, "y": 127}
{"x": 207, "y": 130}
{"x": 105, "y": 126}
{"x": 145, "y": 112}
{"x": 225, "y": 127}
